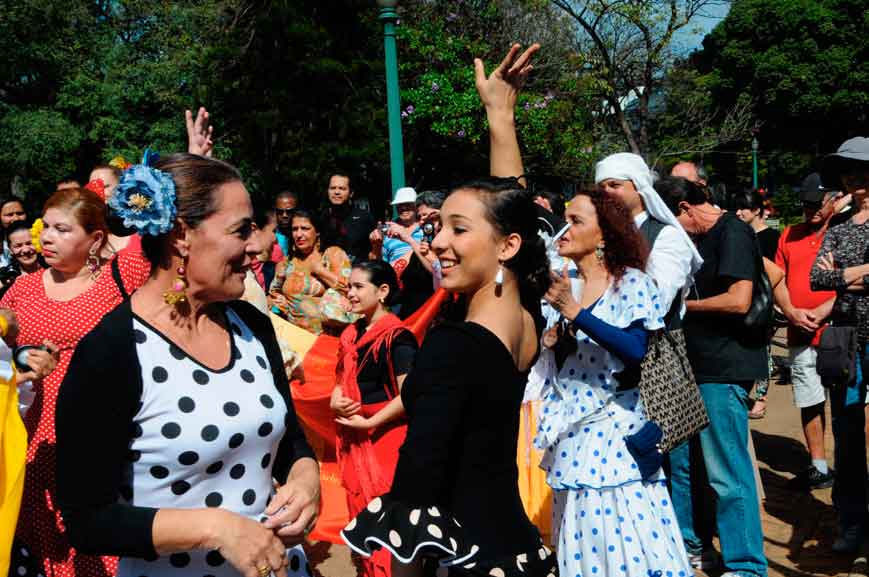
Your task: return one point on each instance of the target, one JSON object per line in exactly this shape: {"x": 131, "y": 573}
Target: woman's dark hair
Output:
{"x": 624, "y": 246}
{"x": 196, "y": 180}
{"x": 510, "y": 209}
{"x": 381, "y": 273}
{"x": 675, "y": 190}
{"x": 327, "y": 235}
{"x": 750, "y": 199}
{"x": 18, "y": 225}
{"x": 431, "y": 198}
{"x": 262, "y": 214}
{"x": 556, "y": 202}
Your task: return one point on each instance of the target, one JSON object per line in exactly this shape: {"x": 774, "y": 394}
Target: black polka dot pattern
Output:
{"x": 188, "y": 458}
{"x": 160, "y": 375}
{"x": 171, "y": 430}
{"x": 201, "y": 377}
{"x": 210, "y": 432}
{"x": 236, "y": 440}
{"x": 203, "y": 437}
{"x": 186, "y": 405}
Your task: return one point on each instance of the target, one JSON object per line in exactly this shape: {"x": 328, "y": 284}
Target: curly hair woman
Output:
{"x": 609, "y": 518}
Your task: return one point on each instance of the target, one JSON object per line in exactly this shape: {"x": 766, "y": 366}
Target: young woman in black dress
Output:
{"x": 454, "y": 501}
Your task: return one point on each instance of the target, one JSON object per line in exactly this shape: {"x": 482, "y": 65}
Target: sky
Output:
{"x": 691, "y": 38}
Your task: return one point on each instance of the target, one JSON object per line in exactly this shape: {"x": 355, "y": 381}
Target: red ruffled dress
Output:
{"x": 40, "y": 539}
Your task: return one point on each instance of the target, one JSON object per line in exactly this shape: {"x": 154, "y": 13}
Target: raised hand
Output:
{"x": 199, "y": 132}
{"x": 499, "y": 90}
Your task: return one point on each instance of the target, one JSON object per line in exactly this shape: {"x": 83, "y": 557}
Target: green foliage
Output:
{"x": 805, "y": 63}
{"x": 41, "y": 143}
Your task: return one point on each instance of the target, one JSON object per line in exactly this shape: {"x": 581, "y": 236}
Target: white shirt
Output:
{"x": 669, "y": 264}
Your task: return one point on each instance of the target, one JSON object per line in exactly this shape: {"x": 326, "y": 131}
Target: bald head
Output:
{"x": 689, "y": 171}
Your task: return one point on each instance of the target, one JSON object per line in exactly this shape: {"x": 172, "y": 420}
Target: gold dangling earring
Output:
{"x": 93, "y": 263}
{"x": 177, "y": 294}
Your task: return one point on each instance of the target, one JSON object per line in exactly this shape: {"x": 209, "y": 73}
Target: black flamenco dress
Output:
{"x": 455, "y": 500}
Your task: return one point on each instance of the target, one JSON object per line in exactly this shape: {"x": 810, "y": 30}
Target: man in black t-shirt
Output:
{"x": 350, "y": 224}
{"x": 726, "y": 358}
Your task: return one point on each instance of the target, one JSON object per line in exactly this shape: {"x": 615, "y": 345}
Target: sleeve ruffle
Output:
{"x": 636, "y": 298}
{"x": 408, "y": 532}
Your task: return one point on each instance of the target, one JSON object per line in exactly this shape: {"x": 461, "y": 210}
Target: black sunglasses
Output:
{"x": 284, "y": 211}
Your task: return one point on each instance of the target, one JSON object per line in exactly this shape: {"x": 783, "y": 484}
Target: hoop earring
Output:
{"x": 93, "y": 263}
{"x": 177, "y": 294}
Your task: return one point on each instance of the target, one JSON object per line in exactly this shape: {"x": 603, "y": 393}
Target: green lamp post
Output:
{"x": 389, "y": 17}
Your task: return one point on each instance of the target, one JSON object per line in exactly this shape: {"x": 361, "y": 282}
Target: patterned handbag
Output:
{"x": 668, "y": 390}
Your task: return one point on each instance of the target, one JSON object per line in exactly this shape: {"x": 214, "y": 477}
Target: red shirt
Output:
{"x": 797, "y": 249}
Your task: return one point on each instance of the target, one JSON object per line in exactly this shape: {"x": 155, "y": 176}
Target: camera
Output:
{"x": 428, "y": 232}
{"x": 384, "y": 228}
{"x": 8, "y": 274}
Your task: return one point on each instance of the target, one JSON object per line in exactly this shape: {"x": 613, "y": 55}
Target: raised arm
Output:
{"x": 498, "y": 93}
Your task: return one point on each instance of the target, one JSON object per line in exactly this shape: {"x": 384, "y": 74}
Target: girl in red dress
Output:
{"x": 375, "y": 356}
{"x": 55, "y": 308}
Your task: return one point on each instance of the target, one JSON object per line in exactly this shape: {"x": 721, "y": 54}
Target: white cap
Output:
{"x": 404, "y": 195}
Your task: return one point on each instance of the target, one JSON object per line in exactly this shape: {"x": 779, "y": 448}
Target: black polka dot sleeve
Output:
{"x": 95, "y": 409}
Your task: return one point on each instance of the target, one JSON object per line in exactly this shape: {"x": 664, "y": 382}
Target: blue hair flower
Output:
{"x": 145, "y": 200}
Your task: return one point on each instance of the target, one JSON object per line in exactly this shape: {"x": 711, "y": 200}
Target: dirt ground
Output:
{"x": 799, "y": 527}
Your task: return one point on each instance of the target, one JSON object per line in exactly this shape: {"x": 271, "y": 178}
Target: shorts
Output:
{"x": 808, "y": 390}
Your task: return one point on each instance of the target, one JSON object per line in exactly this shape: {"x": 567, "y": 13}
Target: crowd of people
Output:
{"x": 146, "y": 311}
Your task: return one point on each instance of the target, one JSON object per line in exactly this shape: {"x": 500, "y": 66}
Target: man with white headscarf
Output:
{"x": 674, "y": 259}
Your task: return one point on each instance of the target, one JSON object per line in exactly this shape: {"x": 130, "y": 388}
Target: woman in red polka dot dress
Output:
{"x": 56, "y": 308}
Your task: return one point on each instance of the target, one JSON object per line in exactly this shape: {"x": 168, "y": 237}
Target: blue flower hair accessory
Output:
{"x": 145, "y": 198}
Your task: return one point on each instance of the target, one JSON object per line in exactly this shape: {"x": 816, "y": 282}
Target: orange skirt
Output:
{"x": 536, "y": 494}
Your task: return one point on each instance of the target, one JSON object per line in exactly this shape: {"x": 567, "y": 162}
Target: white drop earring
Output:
{"x": 499, "y": 276}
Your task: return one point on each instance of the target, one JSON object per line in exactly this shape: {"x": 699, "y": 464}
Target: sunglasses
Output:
{"x": 284, "y": 211}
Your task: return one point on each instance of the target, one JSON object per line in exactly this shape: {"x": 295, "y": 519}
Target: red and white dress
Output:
{"x": 40, "y": 528}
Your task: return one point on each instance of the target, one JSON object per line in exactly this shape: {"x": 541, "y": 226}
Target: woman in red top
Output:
{"x": 375, "y": 356}
{"x": 55, "y": 308}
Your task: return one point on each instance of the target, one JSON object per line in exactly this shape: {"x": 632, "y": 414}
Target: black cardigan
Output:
{"x": 98, "y": 399}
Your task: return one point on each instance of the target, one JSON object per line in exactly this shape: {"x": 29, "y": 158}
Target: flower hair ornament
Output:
{"x": 36, "y": 235}
{"x": 145, "y": 198}
{"x": 98, "y": 187}
{"x": 120, "y": 163}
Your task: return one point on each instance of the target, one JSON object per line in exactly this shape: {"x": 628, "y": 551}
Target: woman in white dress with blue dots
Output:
{"x": 178, "y": 446}
{"x": 608, "y": 521}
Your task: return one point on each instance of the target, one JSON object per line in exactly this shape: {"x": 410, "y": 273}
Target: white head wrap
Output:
{"x": 628, "y": 166}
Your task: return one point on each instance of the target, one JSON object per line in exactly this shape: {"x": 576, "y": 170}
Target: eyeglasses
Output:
{"x": 284, "y": 211}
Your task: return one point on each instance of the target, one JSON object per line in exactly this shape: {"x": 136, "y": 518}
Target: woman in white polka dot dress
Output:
{"x": 608, "y": 520}
{"x": 202, "y": 468}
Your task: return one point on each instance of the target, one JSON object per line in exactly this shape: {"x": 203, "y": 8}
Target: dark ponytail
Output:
{"x": 510, "y": 209}
{"x": 381, "y": 273}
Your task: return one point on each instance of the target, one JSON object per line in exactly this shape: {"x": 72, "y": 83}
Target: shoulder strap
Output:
{"x": 116, "y": 274}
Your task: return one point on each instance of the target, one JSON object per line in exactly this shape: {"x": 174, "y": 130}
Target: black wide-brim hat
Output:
{"x": 853, "y": 153}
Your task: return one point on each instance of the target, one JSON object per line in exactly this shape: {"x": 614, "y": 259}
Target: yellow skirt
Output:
{"x": 536, "y": 494}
